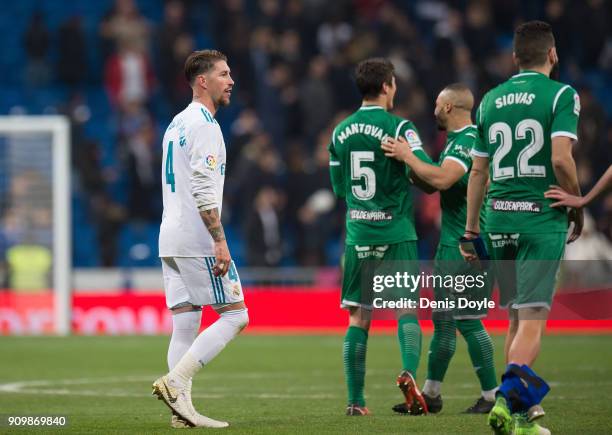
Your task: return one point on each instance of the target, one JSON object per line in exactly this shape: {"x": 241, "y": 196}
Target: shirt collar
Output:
{"x": 462, "y": 128}
{"x": 526, "y": 73}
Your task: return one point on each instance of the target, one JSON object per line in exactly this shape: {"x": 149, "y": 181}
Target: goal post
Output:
{"x": 22, "y": 136}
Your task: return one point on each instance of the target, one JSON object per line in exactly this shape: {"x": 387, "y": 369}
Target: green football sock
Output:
{"x": 442, "y": 347}
{"x": 354, "y": 352}
{"x": 410, "y": 338}
{"x": 480, "y": 348}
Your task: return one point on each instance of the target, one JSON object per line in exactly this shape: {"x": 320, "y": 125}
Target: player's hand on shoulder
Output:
{"x": 398, "y": 149}
{"x": 222, "y": 258}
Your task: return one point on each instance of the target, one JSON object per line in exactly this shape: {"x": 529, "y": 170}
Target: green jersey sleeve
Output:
{"x": 336, "y": 173}
{"x": 407, "y": 130}
{"x": 566, "y": 109}
{"x": 423, "y": 156}
{"x": 460, "y": 150}
{"x": 480, "y": 148}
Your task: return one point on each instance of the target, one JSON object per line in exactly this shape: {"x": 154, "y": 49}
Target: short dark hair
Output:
{"x": 464, "y": 99}
{"x": 532, "y": 40}
{"x": 370, "y": 75}
{"x": 200, "y": 62}
{"x": 457, "y": 87}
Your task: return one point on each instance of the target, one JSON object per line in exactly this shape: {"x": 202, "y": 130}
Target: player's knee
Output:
{"x": 469, "y": 326}
{"x": 360, "y": 323}
{"x": 245, "y": 320}
{"x": 239, "y": 319}
{"x": 186, "y": 323}
{"x": 360, "y": 317}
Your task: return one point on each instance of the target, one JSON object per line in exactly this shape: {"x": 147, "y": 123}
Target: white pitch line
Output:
{"x": 57, "y": 387}
{"x": 33, "y": 387}
{"x": 130, "y": 379}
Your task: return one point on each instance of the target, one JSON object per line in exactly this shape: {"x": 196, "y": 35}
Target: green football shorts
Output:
{"x": 363, "y": 264}
{"x": 469, "y": 297}
{"x": 526, "y": 267}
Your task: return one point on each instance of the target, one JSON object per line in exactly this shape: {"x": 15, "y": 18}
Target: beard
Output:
{"x": 440, "y": 124}
{"x": 223, "y": 100}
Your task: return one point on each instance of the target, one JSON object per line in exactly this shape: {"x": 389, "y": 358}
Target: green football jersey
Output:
{"x": 517, "y": 121}
{"x": 453, "y": 201}
{"x": 376, "y": 188}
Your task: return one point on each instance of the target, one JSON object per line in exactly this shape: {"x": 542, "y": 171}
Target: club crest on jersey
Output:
{"x": 413, "y": 138}
{"x": 576, "y": 104}
{"x": 211, "y": 162}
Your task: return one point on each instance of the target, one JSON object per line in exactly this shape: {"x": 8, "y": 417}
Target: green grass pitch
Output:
{"x": 279, "y": 384}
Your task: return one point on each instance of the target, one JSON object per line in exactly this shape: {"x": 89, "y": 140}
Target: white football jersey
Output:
{"x": 193, "y": 173}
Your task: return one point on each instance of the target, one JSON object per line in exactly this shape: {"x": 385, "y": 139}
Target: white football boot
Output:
{"x": 178, "y": 422}
{"x": 178, "y": 399}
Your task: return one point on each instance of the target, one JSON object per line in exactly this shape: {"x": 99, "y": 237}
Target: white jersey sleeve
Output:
{"x": 203, "y": 155}
{"x": 193, "y": 174}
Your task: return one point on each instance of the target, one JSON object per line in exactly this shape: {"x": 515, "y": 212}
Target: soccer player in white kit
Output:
{"x": 196, "y": 263}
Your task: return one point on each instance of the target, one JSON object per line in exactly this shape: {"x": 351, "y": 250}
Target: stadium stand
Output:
{"x": 292, "y": 64}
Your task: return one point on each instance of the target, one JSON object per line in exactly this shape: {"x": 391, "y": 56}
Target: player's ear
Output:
{"x": 201, "y": 80}
{"x": 552, "y": 55}
{"x": 385, "y": 88}
{"x": 515, "y": 60}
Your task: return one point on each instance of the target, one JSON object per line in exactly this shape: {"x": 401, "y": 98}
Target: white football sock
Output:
{"x": 208, "y": 344}
{"x": 185, "y": 328}
{"x": 432, "y": 388}
{"x": 214, "y": 338}
{"x": 183, "y": 371}
{"x": 489, "y": 395}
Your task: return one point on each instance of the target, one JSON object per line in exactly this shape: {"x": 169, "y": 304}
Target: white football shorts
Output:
{"x": 190, "y": 280}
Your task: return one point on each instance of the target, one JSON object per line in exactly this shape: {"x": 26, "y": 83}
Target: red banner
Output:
{"x": 275, "y": 310}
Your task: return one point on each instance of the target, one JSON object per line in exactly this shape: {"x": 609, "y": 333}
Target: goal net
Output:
{"x": 35, "y": 251}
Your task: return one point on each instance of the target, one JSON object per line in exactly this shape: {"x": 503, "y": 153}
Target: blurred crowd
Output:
{"x": 292, "y": 62}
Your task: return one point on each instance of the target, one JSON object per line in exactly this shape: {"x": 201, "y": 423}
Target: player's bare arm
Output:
{"x": 439, "y": 177}
{"x": 213, "y": 224}
{"x": 212, "y": 221}
{"x": 564, "y": 168}
{"x": 565, "y": 199}
{"x": 421, "y": 184}
{"x": 477, "y": 185}
{"x": 401, "y": 151}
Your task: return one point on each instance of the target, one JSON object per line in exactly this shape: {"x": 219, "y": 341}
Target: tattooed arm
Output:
{"x": 215, "y": 228}
{"x": 213, "y": 224}
{"x": 203, "y": 156}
